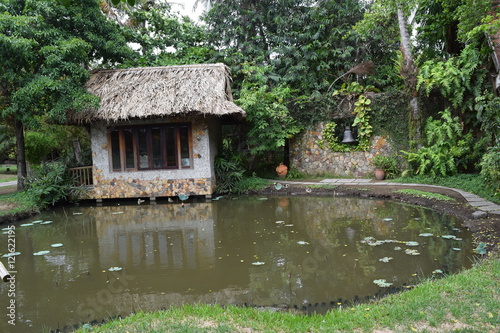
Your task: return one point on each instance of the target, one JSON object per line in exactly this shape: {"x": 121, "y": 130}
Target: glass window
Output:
{"x": 150, "y": 147}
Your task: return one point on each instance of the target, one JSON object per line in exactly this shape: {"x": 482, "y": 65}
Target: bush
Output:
{"x": 228, "y": 173}
{"x": 50, "y": 183}
{"x": 490, "y": 166}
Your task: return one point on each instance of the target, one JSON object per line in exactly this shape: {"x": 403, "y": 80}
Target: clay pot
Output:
{"x": 379, "y": 174}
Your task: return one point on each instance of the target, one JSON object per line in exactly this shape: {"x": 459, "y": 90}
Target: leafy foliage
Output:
{"x": 49, "y": 184}
{"x": 490, "y": 166}
{"x": 228, "y": 172}
{"x": 389, "y": 164}
{"x": 270, "y": 121}
{"x": 445, "y": 150}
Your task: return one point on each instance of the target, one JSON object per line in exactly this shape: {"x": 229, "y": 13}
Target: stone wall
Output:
{"x": 308, "y": 156}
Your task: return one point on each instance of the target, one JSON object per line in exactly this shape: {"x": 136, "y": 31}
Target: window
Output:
{"x": 165, "y": 146}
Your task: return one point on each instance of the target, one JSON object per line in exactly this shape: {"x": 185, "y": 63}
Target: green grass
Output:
{"x": 14, "y": 203}
{"x": 423, "y": 194}
{"x": 464, "y": 302}
{"x": 472, "y": 183}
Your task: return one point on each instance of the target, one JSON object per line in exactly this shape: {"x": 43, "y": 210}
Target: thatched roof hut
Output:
{"x": 160, "y": 91}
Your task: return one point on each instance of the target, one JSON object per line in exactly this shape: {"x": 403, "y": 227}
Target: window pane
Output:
{"x": 156, "y": 142}
{"x": 115, "y": 150}
{"x": 184, "y": 137}
{"x": 142, "y": 136}
{"x": 129, "y": 148}
{"x": 171, "y": 146}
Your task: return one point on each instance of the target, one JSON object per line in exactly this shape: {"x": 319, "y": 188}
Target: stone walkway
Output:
{"x": 484, "y": 207}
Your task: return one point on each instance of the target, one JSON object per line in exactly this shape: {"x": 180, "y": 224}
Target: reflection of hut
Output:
{"x": 157, "y": 130}
{"x": 167, "y": 236}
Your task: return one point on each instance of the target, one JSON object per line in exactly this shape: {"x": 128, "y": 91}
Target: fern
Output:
{"x": 446, "y": 145}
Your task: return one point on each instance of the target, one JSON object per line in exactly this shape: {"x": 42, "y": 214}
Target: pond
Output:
{"x": 83, "y": 263}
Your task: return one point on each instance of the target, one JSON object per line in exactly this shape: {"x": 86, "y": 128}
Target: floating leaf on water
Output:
{"x": 11, "y": 254}
{"x": 426, "y": 234}
{"x": 40, "y": 253}
{"x": 382, "y": 283}
{"x": 114, "y": 269}
{"x": 262, "y": 199}
{"x": 278, "y": 186}
{"x": 5, "y": 229}
{"x": 258, "y": 263}
{"x": 385, "y": 259}
{"x": 57, "y": 245}
{"x": 280, "y": 222}
{"x": 77, "y": 213}
{"x": 26, "y": 224}
{"x": 481, "y": 248}
{"x": 397, "y": 248}
{"x": 388, "y": 219}
{"x": 437, "y": 271}
{"x": 458, "y": 238}
{"x": 417, "y": 218}
{"x": 218, "y": 198}
{"x": 412, "y": 252}
{"x": 302, "y": 243}
{"x": 47, "y": 222}
{"x": 115, "y": 213}
{"x": 288, "y": 225}
{"x": 410, "y": 243}
{"x": 37, "y": 221}
{"x": 456, "y": 249}
{"x": 449, "y": 237}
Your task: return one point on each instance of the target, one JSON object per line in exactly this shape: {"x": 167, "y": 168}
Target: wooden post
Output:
{"x": 4, "y": 274}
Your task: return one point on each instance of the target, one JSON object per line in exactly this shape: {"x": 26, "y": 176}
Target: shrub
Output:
{"x": 387, "y": 163}
{"x": 490, "y": 166}
{"x": 228, "y": 173}
{"x": 50, "y": 183}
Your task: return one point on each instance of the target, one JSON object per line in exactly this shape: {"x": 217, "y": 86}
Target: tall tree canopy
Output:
{"x": 46, "y": 51}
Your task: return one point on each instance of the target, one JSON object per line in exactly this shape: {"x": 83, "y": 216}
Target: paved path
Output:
{"x": 11, "y": 183}
{"x": 483, "y": 207}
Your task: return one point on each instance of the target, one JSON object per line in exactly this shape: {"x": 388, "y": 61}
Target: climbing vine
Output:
{"x": 362, "y": 111}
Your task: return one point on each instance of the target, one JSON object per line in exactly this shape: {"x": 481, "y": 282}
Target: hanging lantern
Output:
{"x": 348, "y": 135}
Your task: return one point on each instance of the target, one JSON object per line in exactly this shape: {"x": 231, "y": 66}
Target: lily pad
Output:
{"x": 280, "y": 222}
{"x": 456, "y": 249}
{"x": 437, "y": 271}
{"x": 410, "y": 243}
{"x": 37, "y": 221}
{"x": 385, "y": 259}
{"x": 47, "y": 222}
{"x": 115, "y": 213}
{"x": 412, "y": 252}
{"x": 481, "y": 248}
{"x": 114, "y": 269}
{"x": 449, "y": 237}
{"x": 26, "y": 224}
{"x": 258, "y": 263}
{"x": 426, "y": 234}
{"x": 388, "y": 219}
{"x": 382, "y": 283}
{"x": 302, "y": 243}
{"x": 77, "y": 213}
{"x": 40, "y": 253}
{"x": 11, "y": 254}
{"x": 57, "y": 245}
{"x": 397, "y": 248}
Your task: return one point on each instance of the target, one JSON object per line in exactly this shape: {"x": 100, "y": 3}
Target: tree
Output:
{"x": 46, "y": 50}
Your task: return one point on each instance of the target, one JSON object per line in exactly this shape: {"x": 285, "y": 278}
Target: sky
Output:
{"x": 185, "y": 7}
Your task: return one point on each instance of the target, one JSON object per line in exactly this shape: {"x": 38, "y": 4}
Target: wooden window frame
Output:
{"x": 149, "y": 144}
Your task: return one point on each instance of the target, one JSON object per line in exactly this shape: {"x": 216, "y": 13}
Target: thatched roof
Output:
{"x": 160, "y": 91}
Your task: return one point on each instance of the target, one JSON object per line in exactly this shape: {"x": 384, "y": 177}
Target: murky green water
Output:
{"x": 299, "y": 251}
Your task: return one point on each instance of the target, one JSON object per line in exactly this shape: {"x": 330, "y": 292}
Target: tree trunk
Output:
{"x": 20, "y": 155}
{"x": 409, "y": 73}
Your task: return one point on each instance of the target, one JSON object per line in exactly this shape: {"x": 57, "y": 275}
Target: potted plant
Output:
{"x": 282, "y": 170}
{"x": 383, "y": 164}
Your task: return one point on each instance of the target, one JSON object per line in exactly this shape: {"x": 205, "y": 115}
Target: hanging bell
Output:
{"x": 348, "y": 136}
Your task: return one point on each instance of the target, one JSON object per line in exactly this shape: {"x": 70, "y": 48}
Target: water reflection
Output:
{"x": 292, "y": 251}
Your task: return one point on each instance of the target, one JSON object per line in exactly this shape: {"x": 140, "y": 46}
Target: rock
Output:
{"x": 479, "y": 214}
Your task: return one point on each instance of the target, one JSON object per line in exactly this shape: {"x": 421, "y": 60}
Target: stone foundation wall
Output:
{"x": 307, "y": 156}
{"x": 136, "y": 188}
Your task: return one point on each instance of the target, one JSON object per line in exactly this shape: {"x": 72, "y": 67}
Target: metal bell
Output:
{"x": 348, "y": 136}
